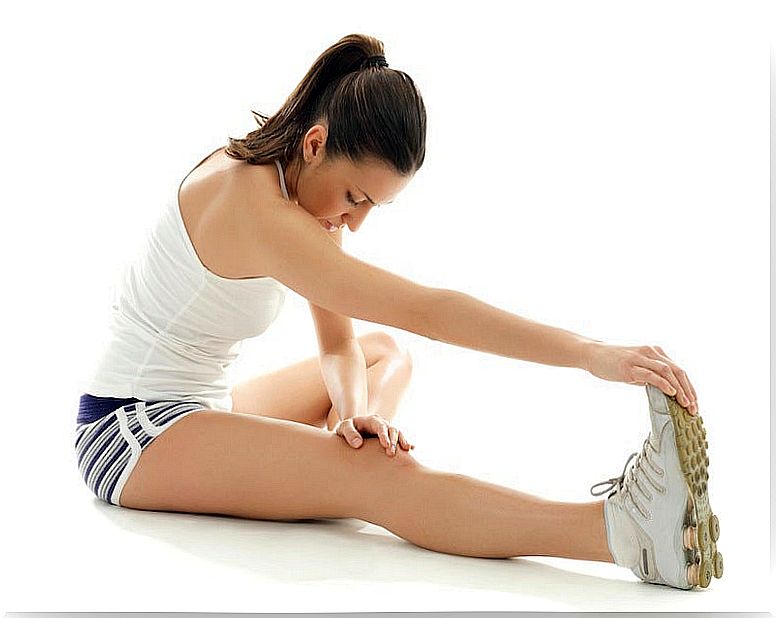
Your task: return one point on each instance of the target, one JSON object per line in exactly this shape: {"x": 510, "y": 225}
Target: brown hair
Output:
{"x": 373, "y": 112}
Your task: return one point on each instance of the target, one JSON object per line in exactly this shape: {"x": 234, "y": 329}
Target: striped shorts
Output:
{"x": 108, "y": 448}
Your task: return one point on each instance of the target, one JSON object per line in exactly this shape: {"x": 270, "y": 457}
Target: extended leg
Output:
{"x": 264, "y": 468}
{"x": 459, "y": 514}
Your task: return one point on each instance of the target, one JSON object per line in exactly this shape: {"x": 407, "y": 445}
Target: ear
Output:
{"x": 315, "y": 141}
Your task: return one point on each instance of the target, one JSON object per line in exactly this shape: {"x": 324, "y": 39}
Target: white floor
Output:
{"x": 97, "y": 557}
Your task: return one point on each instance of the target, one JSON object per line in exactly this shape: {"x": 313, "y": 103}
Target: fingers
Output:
{"x": 347, "y": 430}
{"x": 687, "y": 387}
{"x": 389, "y": 436}
{"x": 404, "y": 443}
{"x": 393, "y": 437}
{"x": 382, "y": 431}
{"x": 660, "y": 375}
{"x": 397, "y": 438}
{"x": 673, "y": 374}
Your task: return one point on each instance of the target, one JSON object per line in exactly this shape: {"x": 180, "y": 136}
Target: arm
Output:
{"x": 293, "y": 248}
{"x": 462, "y": 320}
{"x": 344, "y": 373}
{"x": 296, "y": 250}
{"x": 341, "y": 358}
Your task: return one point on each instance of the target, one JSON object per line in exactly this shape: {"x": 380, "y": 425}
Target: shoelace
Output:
{"x": 618, "y": 484}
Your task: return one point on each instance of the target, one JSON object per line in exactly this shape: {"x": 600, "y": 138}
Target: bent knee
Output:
{"x": 389, "y": 346}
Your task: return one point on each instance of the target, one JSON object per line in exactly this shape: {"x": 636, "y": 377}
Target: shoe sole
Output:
{"x": 701, "y": 525}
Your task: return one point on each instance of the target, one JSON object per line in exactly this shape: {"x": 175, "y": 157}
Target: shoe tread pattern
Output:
{"x": 692, "y": 447}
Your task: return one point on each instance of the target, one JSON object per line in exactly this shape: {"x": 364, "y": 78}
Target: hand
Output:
{"x": 643, "y": 365}
{"x": 372, "y": 424}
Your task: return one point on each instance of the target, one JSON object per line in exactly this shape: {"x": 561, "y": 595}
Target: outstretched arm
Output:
{"x": 460, "y": 319}
{"x": 297, "y": 251}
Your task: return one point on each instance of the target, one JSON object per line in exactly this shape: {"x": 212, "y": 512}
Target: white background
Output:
{"x": 597, "y": 166}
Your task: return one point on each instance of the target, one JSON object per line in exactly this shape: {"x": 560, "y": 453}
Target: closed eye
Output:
{"x": 350, "y": 199}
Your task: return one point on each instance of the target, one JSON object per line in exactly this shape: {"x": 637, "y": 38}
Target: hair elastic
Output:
{"x": 374, "y": 61}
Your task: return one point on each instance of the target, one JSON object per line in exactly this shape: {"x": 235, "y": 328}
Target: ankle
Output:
{"x": 606, "y": 553}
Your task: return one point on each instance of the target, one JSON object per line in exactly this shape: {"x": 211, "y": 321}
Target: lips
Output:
{"x": 328, "y": 225}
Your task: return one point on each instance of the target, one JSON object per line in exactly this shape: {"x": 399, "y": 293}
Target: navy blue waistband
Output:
{"x": 93, "y": 408}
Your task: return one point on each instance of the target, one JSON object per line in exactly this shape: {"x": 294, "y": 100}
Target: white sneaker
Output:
{"x": 658, "y": 520}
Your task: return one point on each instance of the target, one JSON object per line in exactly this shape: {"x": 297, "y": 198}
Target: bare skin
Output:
{"x": 282, "y": 464}
{"x": 278, "y": 394}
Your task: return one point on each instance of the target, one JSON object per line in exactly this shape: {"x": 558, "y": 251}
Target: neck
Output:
{"x": 292, "y": 180}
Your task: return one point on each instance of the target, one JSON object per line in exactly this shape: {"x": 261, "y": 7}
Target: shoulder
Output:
{"x": 249, "y": 195}
{"x": 257, "y": 189}
{"x": 226, "y": 208}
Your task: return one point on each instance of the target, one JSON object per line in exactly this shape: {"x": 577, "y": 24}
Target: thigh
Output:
{"x": 298, "y": 392}
{"x": 251, "y": 466}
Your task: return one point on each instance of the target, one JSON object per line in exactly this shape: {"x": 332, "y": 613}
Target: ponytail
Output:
{"x": 372, "y": 111}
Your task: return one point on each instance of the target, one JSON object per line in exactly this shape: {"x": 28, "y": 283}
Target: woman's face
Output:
{"x": 339, "y": 192}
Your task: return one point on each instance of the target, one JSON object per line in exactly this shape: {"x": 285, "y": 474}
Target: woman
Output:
{"x": 160, "y": 429}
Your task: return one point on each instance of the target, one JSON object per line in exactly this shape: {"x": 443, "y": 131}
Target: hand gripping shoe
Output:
{"x": 658, "y": 520}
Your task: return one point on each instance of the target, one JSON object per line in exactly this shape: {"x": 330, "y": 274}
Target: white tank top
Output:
{"x": 175, "y": 327}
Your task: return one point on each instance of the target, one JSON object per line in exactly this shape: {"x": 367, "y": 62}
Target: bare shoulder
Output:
{"x": 218, "y": 202}
{"x": 256, "y": 193}
{"x": 242, "y": 226}
{"x": 278, "y": 238}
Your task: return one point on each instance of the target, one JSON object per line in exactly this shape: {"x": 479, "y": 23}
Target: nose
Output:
{"x": 355, "y": 219}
